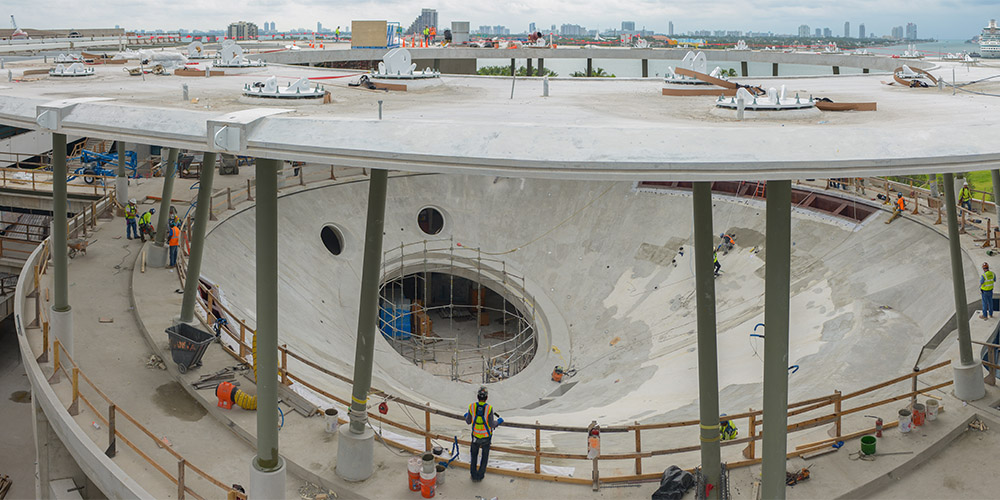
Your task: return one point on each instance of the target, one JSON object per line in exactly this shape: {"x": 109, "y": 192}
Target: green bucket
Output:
{"x": 868, "y": 445}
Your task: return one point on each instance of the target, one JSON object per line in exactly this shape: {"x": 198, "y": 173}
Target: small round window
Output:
{"x": 333, "y": 240}
{"x": 430, "y": 220}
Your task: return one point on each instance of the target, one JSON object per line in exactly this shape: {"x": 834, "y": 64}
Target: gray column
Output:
{"x": 356, "y": 442}
{"x": 202, "y": 211}
{"x": 267, "y": 471}
{"x": 645, "y": 68}
{"x": 158, "y": 251}
{"x": 121, "y": 182}
{"x": 968, "y": 372}
{"x": 541, "y": 66}
{"x": 836, "y": 70}
{"x": 708, "y": 369}
{"x": 590, "y": 67}
{"x": 529, "y": 67}
{"x": 996, "y": 196}
{"x": 774, "y": 69}
{"x": 932, "y": 178}
{"x": 744, "y": 70}
{"x": 62, "y": 316}
{"x": 865, "y": 70}
{"x": 776, "y": 289}
{"x": 513, "y": 66}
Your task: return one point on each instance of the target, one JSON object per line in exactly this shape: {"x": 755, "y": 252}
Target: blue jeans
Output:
{"x": 130, "y": 229}
{"x": 987, "y": 302}
{"x": 967, "y": 204}
{"x": 173, "y": 255}
{"x": 477, "y": 466}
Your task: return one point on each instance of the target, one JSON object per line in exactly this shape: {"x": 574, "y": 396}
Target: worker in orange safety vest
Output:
{"x": 175, "y": 243}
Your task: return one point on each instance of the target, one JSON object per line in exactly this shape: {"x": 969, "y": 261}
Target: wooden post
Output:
{"x": 112, "y": 445}
{"x": 180, "y": 479}
{"x": 93, "y": 214}
{"x": 836, "y": 409}
{"x": 243, "y": 333}
{"x": 751, "y": 448}
{"x": 210, "y": 313}
{"x": 302, "y": 176}
{"x": 961, "y": 230}
{"x": 982, "y": 203}
{"x": 538, "y": 449}
{"x": 986, "y": 244}
{"x": 74, "y": 408}
{"x": 249, "y": 195}
{"x": 939, "y": 214}
{"x": 916, "y": 203}
{"x": 32, "y": 180}
{"x": 54, "y": 379}
{"x": 284, "y": 366}
{"x": 229, "y": 198}
{"x": 887, "y": 198}
{"x": 332, "y": 176}
{"x": 638, "y": 449}
{"x": 427, "y": 428}
{"x": 44, "y": 357}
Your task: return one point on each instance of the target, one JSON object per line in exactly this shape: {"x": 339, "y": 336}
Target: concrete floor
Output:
{"x": 15, "y": 414}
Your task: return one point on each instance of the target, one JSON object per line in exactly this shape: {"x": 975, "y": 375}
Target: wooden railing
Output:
{"x": 36, "y": 178}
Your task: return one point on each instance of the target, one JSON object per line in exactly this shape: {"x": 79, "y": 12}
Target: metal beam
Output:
{"x": 266, "y": 335}
{"x": 168, "y": 192}
{"x": 367, "y": 315}
{"x": 708, "y": 369}
{"x": 776, "y": 288}
{"x": 201, "y": 216}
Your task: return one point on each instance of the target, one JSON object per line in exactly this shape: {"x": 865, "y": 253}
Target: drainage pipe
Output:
{"x": 708, "y": 369}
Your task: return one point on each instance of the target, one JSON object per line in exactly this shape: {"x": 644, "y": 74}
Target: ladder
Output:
{"x": 759, "y": 190}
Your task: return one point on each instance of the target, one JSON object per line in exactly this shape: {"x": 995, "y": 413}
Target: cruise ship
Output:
{"x": 989, "y": 41}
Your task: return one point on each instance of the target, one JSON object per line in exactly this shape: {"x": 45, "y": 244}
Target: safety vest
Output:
{"x": 988, "y": 279}
{"x": 715, "y": 255}
{"x": 145, "y": 219}
{"x": 728, "y": 431}
{"x": 901, "y": 203}
{"x": 175, "y": 236}
{"x": 480, "y": 420}
{"x": 131, "y": 211}
{"x": 965, "y": 195}
{"x": 427, "y": 31}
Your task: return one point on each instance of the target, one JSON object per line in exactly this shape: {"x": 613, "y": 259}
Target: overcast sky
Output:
{"x": 942, "y": 19}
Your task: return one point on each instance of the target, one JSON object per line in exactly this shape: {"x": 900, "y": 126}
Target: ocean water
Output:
{"x": 633, "y": 68}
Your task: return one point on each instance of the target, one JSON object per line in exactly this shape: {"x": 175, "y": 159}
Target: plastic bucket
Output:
{"x": 413, "y": 473}
{"x": 918, "y": 414}
{"x": 427, "y": 484}
{"x": 904, "y": 420}
{"x": 868, "y": 445}
{"x": 428, "y": 466}
{"x": 331, "y": 420}
{"x": 440, "y": 474}
{"x": 932, "y": 409}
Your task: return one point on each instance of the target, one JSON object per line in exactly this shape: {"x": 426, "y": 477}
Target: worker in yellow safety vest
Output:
{"x": 727, "y": 430}
{"x": 986, "y": 282}
{"x": 131, "y": 211}
{"x": 175, "y": 243}
{"x": 718, "y": 267}
{"x": 146, "y": 224}
{"x": 483, "y": 421}
{"x": 965, "y": 197}
{"x": 427, "y": 34}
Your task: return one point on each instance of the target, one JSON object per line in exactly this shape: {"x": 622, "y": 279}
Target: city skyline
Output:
{"x": 937, "y": 19}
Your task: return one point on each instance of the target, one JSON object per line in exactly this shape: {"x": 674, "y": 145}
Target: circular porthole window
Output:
{"x": 430, "y": 220}
{"x": 332, "y": 238}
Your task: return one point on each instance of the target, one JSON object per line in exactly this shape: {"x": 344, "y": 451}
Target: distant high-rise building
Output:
{"x": 861, "y": 30}
{"x": 553, "y": 29}
{"x": 911, "y": 31}
{"x": 531, "y": 28}
{"x": 628, "y": 25}
{"x": 572, "y": 30}
{"x": 427, "y": 18}
{"x": 670, "y": 28}
{"x": 827, "y": 32}
{"x": 819, "y": 32}
{"x": 319, "y": 27}
{"x": 897, "y": 32}
{"x": 242, "y": 30}
{"x": 847, "y": 29}
{"x": 804, "y": 30}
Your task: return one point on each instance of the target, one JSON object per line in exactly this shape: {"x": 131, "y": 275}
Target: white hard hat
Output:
{"x": 132, "y": 200}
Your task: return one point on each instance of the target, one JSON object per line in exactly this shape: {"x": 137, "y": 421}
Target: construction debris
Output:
{"x": 155, "y": 361}
{"x": 5, "y": 484}
{"x": 978, "y": 425}
{"x": 310, "y": 491}
{"x": 228, "y": 374}
{"x": 793, "y": 478}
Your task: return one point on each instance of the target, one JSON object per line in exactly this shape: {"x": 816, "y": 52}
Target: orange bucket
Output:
{"x": 413, "y": 474}
{"x": 427, "y": 484}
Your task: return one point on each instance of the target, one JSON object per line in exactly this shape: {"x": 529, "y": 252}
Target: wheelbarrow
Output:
{"x": 78, "y": 245}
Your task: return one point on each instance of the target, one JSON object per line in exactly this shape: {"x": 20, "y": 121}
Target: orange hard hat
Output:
{"x": 986, "y": 265}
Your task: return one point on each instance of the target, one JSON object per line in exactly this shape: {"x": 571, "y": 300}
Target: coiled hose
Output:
{"x": 237, "y": 396}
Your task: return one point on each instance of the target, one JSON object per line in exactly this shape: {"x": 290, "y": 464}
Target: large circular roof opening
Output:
{"x": 457, "y": 327}
{"x": 430, "y": 220}
{"x": 332, "y": 238}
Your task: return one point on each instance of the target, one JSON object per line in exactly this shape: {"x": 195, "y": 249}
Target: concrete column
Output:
{"x": 590, "y": 67}
{"x": 996, "y": 196}
{"x": 356, "y": 442}
{"x": 968, "y": 372}
{"x": 776, "y": 288}
{"x": 708, "y": 369}
{"x": 744, "y": 69}
{"x": 158, "y": 251}
{"x": 267, "y": 472}
{"x": 836, "y": 70}
{"x": 774, "y": 69}
{"x": 529, "y": 66}
{"x": 513, "y": 67}
{"x": 541, "y": 66}
{"x": 121, "y": 182}
{"x": 201, "y": 214}
{"x": 865, "y": 70}
{"x": 932, "y": 178}
{"x": 645, "y": 68}
{"x": 62, "y": 313}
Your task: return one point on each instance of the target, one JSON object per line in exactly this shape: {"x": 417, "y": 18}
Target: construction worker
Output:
{"x": 965, "y": 197}
{"x": 427, "y": 34}
{"x": 900, "y": 203}
{"x": 718, "y": 267}
{"x": 146, "y": 224}
{"x": 483, "y": 421}
{"x": 175, "y": 243}
{"x": 727, "y": 430}
{"x": 728, "y": 242}
{"x": 434, "y": 34}
{"x": 131, "y": 210}
{"x": 986, "y": 289}
{"x": 336, "y": 33}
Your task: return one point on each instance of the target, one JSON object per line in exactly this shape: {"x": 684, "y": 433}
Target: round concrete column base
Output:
{"x": 969, "y": 385}
{"x": 355, "y": 454}
{"x": 156, "y": 256}
{"x": 267, "y": 485}
{"x": 61, "y": 327}
{"x": 121, "y": 190}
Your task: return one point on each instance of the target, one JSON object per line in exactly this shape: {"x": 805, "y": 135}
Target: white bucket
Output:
{"x": 904, "y": 420}
{"x": 932, "y": 409}
{"x": 331, "y": 420}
